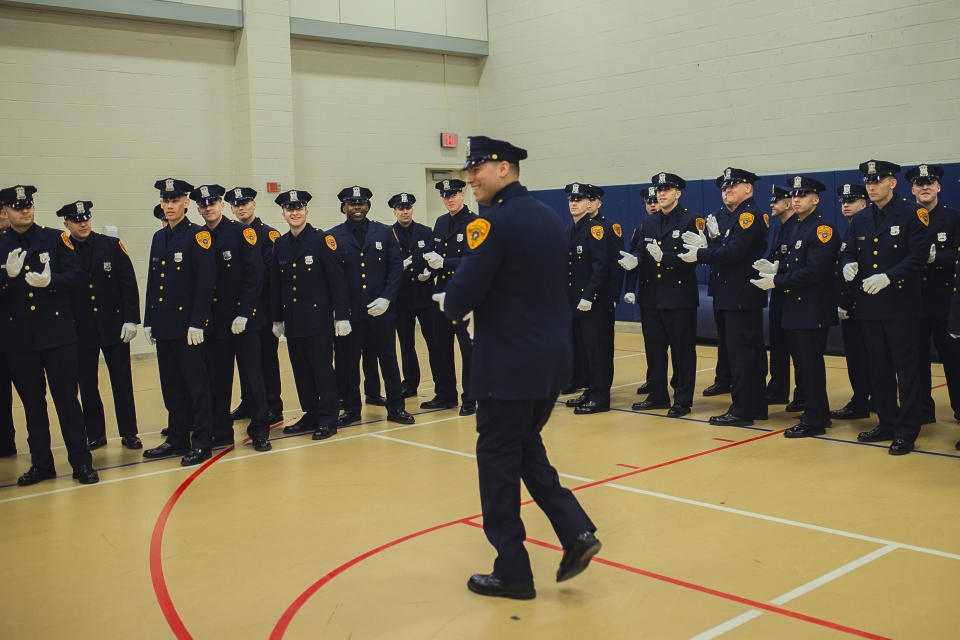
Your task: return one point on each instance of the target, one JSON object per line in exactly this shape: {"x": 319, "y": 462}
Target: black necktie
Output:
{"x": 877, "y": 217}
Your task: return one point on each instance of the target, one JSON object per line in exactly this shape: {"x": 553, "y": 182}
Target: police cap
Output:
{"x": 158, "y": 212}
{"x": 355, "y": 194}
{"x": 803, "y": 185}
{"x": 579, "y": 191}
{"x": 482, "y": 149}
{"x": 171, "y": 188}
{"x": 401, "y": 201}
{"x": 206, "y": 194}
{"x": 449, "y": 187}
{"x": 650, "y": 194}
{"x": 79, "y": 211}
{"x": 668, "y": 181}
{"x": 778, "y": 193}
{"x": 240, "y": 195}
{"x": 732, "y": 176}
{"x": 851, "y": 192}
{"x": 293, "y": 199}
{"x": 925, "y": 174}
{"x": 877, "y": 170}
{"x": 18, "y": 197}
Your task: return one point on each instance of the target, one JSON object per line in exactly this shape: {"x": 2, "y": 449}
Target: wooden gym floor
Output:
{"x": 707, "y": 531}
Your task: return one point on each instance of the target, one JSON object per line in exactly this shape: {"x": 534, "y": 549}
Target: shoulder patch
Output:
{"x": 824, "y": 232}
{"x": 122, "y": 248}
{"x": 766, "y": 220}
{"x": 924, "y": 216}
{"x": 66, "y": 240}
{"x": 250, "y": 235}
{"x": 746, "y": 219}
{"x": 597, "y": 231}
{"x": 274, "y": 235}
{"x": 617, "y": 229}
{"x": 203, "y": 239}
{"x": 477, "y": 232}
{"x": 701, "y": 224}
{"x": 331, "y": 242}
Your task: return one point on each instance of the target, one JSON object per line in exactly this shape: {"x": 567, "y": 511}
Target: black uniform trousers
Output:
{"x": 611, "y": 332}
{"x": 270, "y": 365}
{"x": 312, "y": 362}
{"x": 780, "y": 354}
{"x": 748, "y": 362}
{"x": 371, "y": 373}
{"x": 185, "y": 386}
{"x": 117, "y": 358}
{"x": 245, "y": 349}
{"x": 590, "y": 343}
{"x": 406, "y": 335}
{"x": 442, "y": 364}
{"x": 723, "y": 375}
{"x": 858, "y": 371}
{"x": 510, "y": 449}
{"x": 948, "y": 349}
{"x": 807, "y": 346}
{"x": 676, "y": 330}
{"x": 378, "y": 336}
{"x": 894, "y": 362}
{"x": 8, "y": 443}
{"x": 59, "y": 367}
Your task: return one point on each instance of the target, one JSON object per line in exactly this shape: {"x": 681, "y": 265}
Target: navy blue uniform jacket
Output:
{"x": 742, "y": 241}
{"x": 266, "y": 237}
{"x": 239, "y": 277}
{"x": 588, "y": 271}
{"x": 806, "y": 275}
{"x": 107, "y": 296}
{"x": 613, "y": 235}
{"x": 936, "y": 283}
{"x": 373, "y": 270}
{"x": 415, "y": 240}
{"x": 670, "y": 283}
{"x": 450, "y": 241}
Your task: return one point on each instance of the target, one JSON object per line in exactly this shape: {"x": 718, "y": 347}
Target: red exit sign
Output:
{"x": 448, "y": 140}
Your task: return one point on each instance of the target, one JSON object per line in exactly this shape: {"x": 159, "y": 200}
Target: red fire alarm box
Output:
{"x": 273, "y": 187}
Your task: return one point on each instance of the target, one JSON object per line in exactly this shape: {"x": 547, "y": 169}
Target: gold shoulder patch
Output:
{"x": 924, "y": 216}
{"x": 824, "y": 232}
{"x": 746, "y": 219}
{"x": 250, "y": 236}
{"x": 395, "y": 235}
{"x": 597, "y": 231}
{"x": 477, "y": 232}
{"x": 701, "y": 224}
{"x": 766, "y": 220}
{"x": 66, "y": 240}
{"x": 203, "y": 239}
{"x": 617, "y": 229}
{"x": 122, "y": 248}
{"x": 331, "y": 242}
{"x": 274, "y": 235}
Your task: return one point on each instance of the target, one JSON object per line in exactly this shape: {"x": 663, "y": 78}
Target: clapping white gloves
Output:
{"x": 850, "y": 271}
{"x": 194, "y": 336}
{"x": 239, "y": 325}
{"x": 765, "y": 281}
{"x": 378, "y": 307}
{"x": 423, "y": 277}
{"x": 278, "y": 329}
{"x": 628, "y": 261}
{"x": 875, "y": 283}
{"x": 695, "y": 239}
{"x": 407, "y": 262}
{"x": 434, "y": 259}
{"x": 342, "y": 328}
{"x": 933, "y": 254}
{"x": 842, "y": 313}
{"x": 655, "y": 252}
{"x": 38, "y": 280}
{"x": 148, "y": 333}
{"x": 630, "y": 298}
{"x": 691, "y": 254}
{"x": 15, "y": 262}
{"x": 764, "y": 266}
{"x": 128, "y": 331}
{"x": 439, "y": 298}
{"x": 584, "y": 305}
{"x": 712, "y": 227}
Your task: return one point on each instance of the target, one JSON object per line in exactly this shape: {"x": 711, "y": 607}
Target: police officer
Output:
{"x": 309, "y": 307}
{"x": 805, "y": 273}
{"x": 514, "y": 283}
{"x": 936, "y": 287}
{"x": 37, "y": 334}
{"x": 8, "y": 443}
{"x": 887, "y": 246}
{"x": 370, "y": 256}
{"x": 106, "y": 310}
{"x": 716, "y": 230}
{"x": 588, "y": 274}
{"x": 610, "y": 294}
{"x": 449, "y": 247}
{"x": 243, "y": 204}
{"x": 741, "y": 304}
{"x": 416, "y": 286}
{"x": 853, "y": 198}
{"x": 180, "y": 289}
{"x": 631, "y": 279}
{"x": 236, "y": 318}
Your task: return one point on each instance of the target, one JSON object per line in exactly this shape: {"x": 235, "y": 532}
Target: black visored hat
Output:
{"x": 668, "y": 181}
{"x": 239, "y": 195}
{"x": 876, "y": 170}
{"x": 732, "y": 176}
{"x": 925, "y": 174}
{"x": 850, "y": 192}
{"x": 293, "y": 199}
{"x": 482, "y": 149}
{"x": 207, "y": 194}
{"x": 17, "y": 197}
{"x": 173, "y": 188}
{"x": 79, "y": 211}
{"x": 354, "y": 194}
{"x": 401, "y": 200}
{"x": 778, "y": 193}
{"x": 450, "y": 186}
{"x": 802, "y": 185}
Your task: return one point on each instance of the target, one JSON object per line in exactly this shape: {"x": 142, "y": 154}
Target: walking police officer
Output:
{"x": 37, "y": 335}
{"x": 180, "y": 289}
{"x": 106, "y": 310}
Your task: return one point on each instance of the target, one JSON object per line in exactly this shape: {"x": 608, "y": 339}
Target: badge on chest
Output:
{"x": 178, "y": 256}
{"x": 308, "y": 260}
{"x": 942, "y": 236}
{"x": 44, "y": 257}
{"x": 579, "y": 249}
{"x": 421, "y": 244}
{"x": 107, "y": 267}
{"x": 895, "y": 230}
{"x": 227, "y": 255}
{"x": 378, "y": 245}
{"x": 798, "y": 244}
{"x": 459, "y": 237}
{"x": 675, "y": 234}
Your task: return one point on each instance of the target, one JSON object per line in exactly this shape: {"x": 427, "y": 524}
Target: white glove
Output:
{"x": 423, "y": 277}
{"x": 15, "y": 262}
{"x": 954, "y": 336}
{"x": 655, "y": 252}
{"x": 342, "y": 328}
{"x": 842, "y": 313}
{"x": 469, "y": 319}
{"x": 128, "y": 331}
{"x": 690, "y": 255}
{"x": 194, "y": 336}
{"x": 628, "y": 261}
{"x": 933, "y": 253}
{"x": 38, "y": 280}
{"x": 278, "y": 329}
{"x": 696, "y": 239}
{"x": 850, "y": 271}
{"x": 239, "y": 324}
{"x": 765, "y": 281}
{"x": 148, "y": 332}
{"x": 764, "y": 266}
{"x": 584, "y": 305}
{"x": 630, "y": 298}
{"x": 434, "y": 259}
{"x": 875, "y": 283}
{"x": 439, "y": 297}
{"x": 378, "y": 306}
{"x": 712, "y": 227}
{"x": 407, "y": 262}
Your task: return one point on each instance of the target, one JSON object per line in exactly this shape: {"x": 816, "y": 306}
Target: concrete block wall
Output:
{"x": 454, "y": 18}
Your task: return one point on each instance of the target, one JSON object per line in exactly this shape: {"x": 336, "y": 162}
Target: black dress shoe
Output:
{"x": 716, "y": 389}
{"x": 795, "y": 406}
{"x": 957, "y": 446}
{"x": 377, "y": 401}
{"x": 86, "y": 474}
{"x": 165, "y": 449}
{"x": 579, "y": 400}
{"x": 678, "y": 410}
{"x": 928, "y": 419}
{"x": 761, "y": 416}
{"x": 274, "y": 418}
{"x": 223, "y": 441}
{"x": 644, "y": 388}
{"x": 848, "y": 412}
{"x": 35, "y": 475}
{"x": 438, "y": 403}
{"x": 592, "y": 406}
{"x": 730, "y": 420}
{"x": 468, "y": 408}
{"x": 648, "y": 404}
{"x": 577, "y": 556}
{"x": 571, "y": 389}
{"x": 400, "y": 416}
{"x": 240, "y": 413}
{"x": 324, "y": 431}
{"x": 131, "y": 442}
{"x": 348, "y": 417}
{"x": 261, "y": 444}
{"x": 407, "y": 391}
{"x": 195, "y": 456}
{"x": 803, "y": 431}
{"x": 874, "y": 435}
{"x": 491, "y": 585}
{"x": 900, "y": 447}
{"x": 303, "y": 425}
{"x": 96, "y": 443}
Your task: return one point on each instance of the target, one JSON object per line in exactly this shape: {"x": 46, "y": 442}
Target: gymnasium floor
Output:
{"x": 707, "y": 531}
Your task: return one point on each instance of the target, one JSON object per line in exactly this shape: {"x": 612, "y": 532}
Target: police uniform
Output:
{"x": 369, "y": 254}
{"x": 613, "y": 234}
{"x": 722, "y": 378}
{"x": 309, "y": 294}
{"x": 806, "y": 278}
{"x": 449, "y": 241}
{"x": 106, "y": 310}
{"x": 633, "y": 278}
{"x": 936, "y": 288}
{"x": 413, "y": 299}
{"x": 8, "y": 442}
{"x": 514, "y": 283}
{"x": 269, "y": 344}
{"x": 743, "y": 240}
{"x": 38, "y": 338}
{"x": 669, "y": 302}
{"x": 891, "y": 244}
{"x": 180, "y": 289}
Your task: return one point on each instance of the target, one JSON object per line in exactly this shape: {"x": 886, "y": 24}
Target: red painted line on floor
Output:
{"x": 630, "y": 466}
{"x": 938, "y": 386}
{"x": 724, "y": 440}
